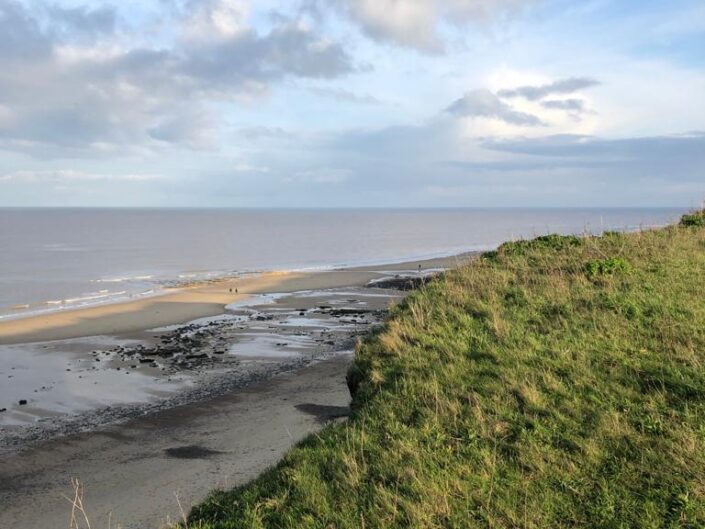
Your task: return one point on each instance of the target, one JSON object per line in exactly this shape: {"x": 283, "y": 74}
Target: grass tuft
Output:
{"x": 609, "y": 266}
{"x": 558, "y": 382}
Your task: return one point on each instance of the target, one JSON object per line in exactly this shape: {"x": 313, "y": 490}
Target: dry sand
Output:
{"x": 188, "y": 303}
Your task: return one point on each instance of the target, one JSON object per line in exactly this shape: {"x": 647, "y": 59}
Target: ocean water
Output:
{"x": 54, "y": 259}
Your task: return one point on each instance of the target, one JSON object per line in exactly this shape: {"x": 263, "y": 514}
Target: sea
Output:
{"x": 60, "y": 258}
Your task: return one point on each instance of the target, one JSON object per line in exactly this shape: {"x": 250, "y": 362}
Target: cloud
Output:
{"x": 483, "y": 103}
{"x": 62, "y": 98}
{"x": 68, "y": 176}
{"x": 563, "y": 86}
{"x": 415, "y": 23}
{"x": 206, "y": 19}
{"x": 690, "y": 147}
{"x": 670, "y": 158}
{"x": 345, "y": 96}
{"x": 81, "y": 21}
{"x": 319, "y": 176}
{"x": 571, "y": 105}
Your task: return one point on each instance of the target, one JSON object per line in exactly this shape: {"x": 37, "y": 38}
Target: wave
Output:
{"x": 103, "y": 297}
{"x": 122, "y": 279}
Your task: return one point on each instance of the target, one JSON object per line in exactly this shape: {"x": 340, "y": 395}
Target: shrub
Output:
{"x": 609, "y": 266}
{"x": 552, "y": 242}
{"x": 696, "y": 220}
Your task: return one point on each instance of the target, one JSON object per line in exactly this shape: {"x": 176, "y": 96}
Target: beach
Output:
{"x": 203, "y": 383}
{"x": 222, "y": 384}
{"x": 143, "y": 473}
{"x": 187, "y": 303}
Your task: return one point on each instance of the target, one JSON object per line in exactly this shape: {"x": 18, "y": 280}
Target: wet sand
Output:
{"x": 133, "y": 473}
{"x": 226, "y": 435}
{"x": 189, "y": 303}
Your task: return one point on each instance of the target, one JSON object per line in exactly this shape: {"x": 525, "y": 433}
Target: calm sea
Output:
{"x": 52, "y": 259}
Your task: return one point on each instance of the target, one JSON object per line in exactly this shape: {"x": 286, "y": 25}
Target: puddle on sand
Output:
{"x": 319, "y": 323}
{"x": 70, "y": 376}
{"x": 60, "y": 377}
{"x": 266, "y": 345}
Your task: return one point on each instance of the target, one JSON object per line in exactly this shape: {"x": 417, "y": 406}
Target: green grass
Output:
{"x": 558, "y": 382}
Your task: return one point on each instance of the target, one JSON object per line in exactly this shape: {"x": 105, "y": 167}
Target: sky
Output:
{"x": 352, "y": 103}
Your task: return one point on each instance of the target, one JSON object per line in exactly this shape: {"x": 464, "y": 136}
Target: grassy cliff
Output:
{"x": 558, "y": 382}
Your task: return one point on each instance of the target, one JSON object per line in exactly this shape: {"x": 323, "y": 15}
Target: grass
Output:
{"x": 558, "y": 382}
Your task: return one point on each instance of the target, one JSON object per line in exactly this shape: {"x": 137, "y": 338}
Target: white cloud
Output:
{"x": 66, "y": 97}
{"x": 319, "y": 175}
{"x": 67, "y": 176}
{"x": 416, "y": 23}
{"x": 210, "y": 19}
{"x": 340, "y": 94}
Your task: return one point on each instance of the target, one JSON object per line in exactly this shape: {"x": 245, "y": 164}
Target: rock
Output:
{"x": 349, "y": 312}
{"x": 3, "y": 409}
{"x": 401, "y": 282}
{"x": 22, "y": 402}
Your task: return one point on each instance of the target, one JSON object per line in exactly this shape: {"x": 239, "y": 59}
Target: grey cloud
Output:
{"x": 286, "y": 50}
{"x": 483, "y": 103}
{"x": 669, "y": 158}
{"x": 571, "y": 105}
{"x": 21, "y": 37}
{"x": 398, "y": 159}
{"x": 113, "y": 97}
{"x": 563, "y": 86}
{"x": 266, "y": 133}
{"x": 688, "y": 146}
{"x": 82, "y": 20}
{"x": 525, "y": 165}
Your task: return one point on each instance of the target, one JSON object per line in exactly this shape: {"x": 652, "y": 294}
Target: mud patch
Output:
{"x": 191, "y": 452}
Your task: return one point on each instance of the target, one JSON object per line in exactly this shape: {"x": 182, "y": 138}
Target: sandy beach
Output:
{"x": 191, "y": 302}
{"x": 221, "y": 384}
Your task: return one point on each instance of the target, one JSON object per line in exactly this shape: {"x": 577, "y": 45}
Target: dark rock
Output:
{"x": 22, "y": 402}
{"x": 401, "y": 282}
{"x": 349, "y": 312}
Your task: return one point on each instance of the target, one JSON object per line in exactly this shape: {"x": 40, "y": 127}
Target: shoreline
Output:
{"x": 65, "y": 372}
{"x": 196, "y": 300}
{"x": 250, "y": 403}
{"x": 166, "y": 286}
